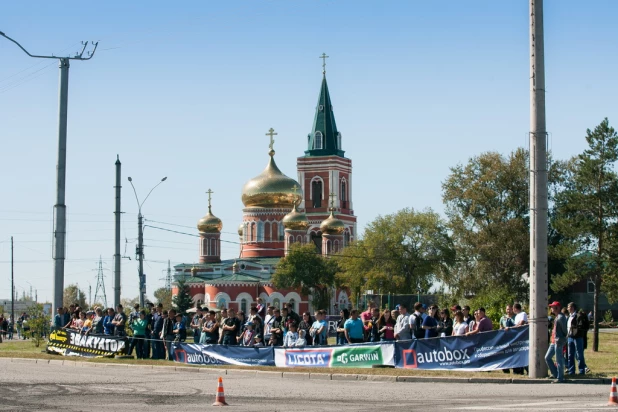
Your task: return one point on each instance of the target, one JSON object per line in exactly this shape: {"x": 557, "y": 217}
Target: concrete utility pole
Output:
{"x": 139, "y": 250}
{"x": 59, "y": 240}
{"x": 117, "y": 258}
{"x": 12, "y": 284}
{"x": 538, "y": 197}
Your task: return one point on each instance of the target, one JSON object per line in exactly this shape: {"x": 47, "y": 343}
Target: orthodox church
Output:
{"x": 278, "y": 212}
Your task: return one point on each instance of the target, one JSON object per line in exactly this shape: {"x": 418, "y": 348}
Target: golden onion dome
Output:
{"x": 296, "y": 220}
{"x": 271, "y": 188}
{"x": 241, "y": 229}
{"x": 209, "y": 223}
{"x": 332, "y": 226}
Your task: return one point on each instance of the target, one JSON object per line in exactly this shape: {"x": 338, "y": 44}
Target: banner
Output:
{"x": 70, "y": 343}
{"x": 352, "y": 356}
{"x": 332, "y": 322}
{"x": 197, "y": 354}
{"x": 481, "y": 352}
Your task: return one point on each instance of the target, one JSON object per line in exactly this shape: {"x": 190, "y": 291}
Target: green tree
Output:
{"x": 72, "y": 294}
{"x": 305, "y": 269}
{"x": 488, "y": 215}
{"x": 182, "y": 300}
{"x": 38, "y": 321}
{"x": 164, "y": 297}
{"x": 586, "y": 215}
{"x": 404, "y": 252}
{"x": 487, "y": 206}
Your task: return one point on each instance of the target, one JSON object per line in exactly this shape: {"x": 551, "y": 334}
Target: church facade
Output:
{"x": 279, "y": 211}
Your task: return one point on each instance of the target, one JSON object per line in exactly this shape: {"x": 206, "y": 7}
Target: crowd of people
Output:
{"x": 154, "y": 329}
{"x": 8, "y": 327}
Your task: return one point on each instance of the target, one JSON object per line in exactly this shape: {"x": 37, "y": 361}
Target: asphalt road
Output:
{"x": 47, "y": 387}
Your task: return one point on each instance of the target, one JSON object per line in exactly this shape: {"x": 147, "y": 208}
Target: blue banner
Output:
{"x": 196, "y": 354}
{"x": 480, "y": 352}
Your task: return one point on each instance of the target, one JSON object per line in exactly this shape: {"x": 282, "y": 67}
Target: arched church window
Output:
{"x": 281, "y": 233}
{"x": 339, "y": 140}
{"x": 267, "y": 232}
{"x": 243, "y": 305}
{"x": 316, "y": 193}
{"x": 318, "y": 140}
{"x": 343, "y": 196}
{"x": 346, "y": 238}
{"x": 260, "y": 231}
{"x": 275, "y": 231}
{"x": 221, "y": 303}
{"x": 316, "y": 238}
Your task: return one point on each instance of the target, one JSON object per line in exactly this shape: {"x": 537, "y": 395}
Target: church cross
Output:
{"x": 271, "y": 133}
{"x": 210, "y": 192}
{"x": 332, "y": 200}
{"x": 324, "y": 57}
{"x": 295, "y": 189}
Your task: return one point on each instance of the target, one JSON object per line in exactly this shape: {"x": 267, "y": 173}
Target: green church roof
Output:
{"x": 235, "y": 278}
{"x": 324, "y": 139}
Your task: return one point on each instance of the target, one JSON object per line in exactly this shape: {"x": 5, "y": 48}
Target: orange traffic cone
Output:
{"x": 613, "y": 396}
{"x": 220, "y": 397}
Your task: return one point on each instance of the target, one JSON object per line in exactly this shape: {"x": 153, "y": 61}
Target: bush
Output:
{"x": 38, "y": 322}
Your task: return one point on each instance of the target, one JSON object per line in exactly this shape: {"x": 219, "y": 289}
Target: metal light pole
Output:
{"x": 60, "y": 207}
{"x": 139, "y": 250}
{"x": 538, "y": 197}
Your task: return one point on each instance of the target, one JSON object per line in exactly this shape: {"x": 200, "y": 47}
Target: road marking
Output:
{"x": 535, "y": 404}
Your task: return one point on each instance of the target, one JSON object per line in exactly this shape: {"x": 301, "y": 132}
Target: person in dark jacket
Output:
{"x": 167, "y": 332}
{"x": 577, "y": 328}
{"x": 158, "y": 350}
{"x": 108, "y": 326}
{"x": 445, "y": 324}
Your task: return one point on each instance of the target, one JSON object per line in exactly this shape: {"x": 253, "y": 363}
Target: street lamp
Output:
{"x": 139, "y": 250}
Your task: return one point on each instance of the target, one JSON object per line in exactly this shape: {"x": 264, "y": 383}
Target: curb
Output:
{"x": 306, "y": 375}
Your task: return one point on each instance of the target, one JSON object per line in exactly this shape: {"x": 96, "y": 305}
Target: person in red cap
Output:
{"x": 556, "y": 346}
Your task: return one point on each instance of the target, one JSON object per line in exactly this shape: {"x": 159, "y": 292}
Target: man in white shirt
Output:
{"x": 268, "y": 322}
{"x": 520, "y": 316}
{"x": 402, "y": 327}
{"x": 520, "y": 319}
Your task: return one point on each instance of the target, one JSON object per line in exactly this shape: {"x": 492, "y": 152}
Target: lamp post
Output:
{"x": 139, "y": 250}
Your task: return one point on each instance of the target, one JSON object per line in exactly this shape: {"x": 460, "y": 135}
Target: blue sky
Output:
{"x": 188, "y": 90}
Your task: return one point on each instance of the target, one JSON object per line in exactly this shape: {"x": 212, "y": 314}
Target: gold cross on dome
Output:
{"x": 210, "y": 192}
{"x": 271, "y": 133}
{"x": 324, "y": 57}
{"x": 332, "y": 200}
{"x": 295, "y": 189}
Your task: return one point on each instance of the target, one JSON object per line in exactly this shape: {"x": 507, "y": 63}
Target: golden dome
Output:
{"x": 296, "y": 220}
{"x": 271, "y": 188}
{"x": 209, "y": 223}
{"x": 332, "y": 225}
{"x": 241, "y": 229}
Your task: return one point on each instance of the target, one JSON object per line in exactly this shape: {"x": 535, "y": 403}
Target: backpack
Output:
{"x": 417, "y": 327}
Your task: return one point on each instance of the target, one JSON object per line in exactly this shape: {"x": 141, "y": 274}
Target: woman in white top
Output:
{"x": 460, "y": 327}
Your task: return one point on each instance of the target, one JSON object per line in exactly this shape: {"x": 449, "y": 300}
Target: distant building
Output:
{"x": 21, "y": 306}
{"x": 278, "y": 212}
